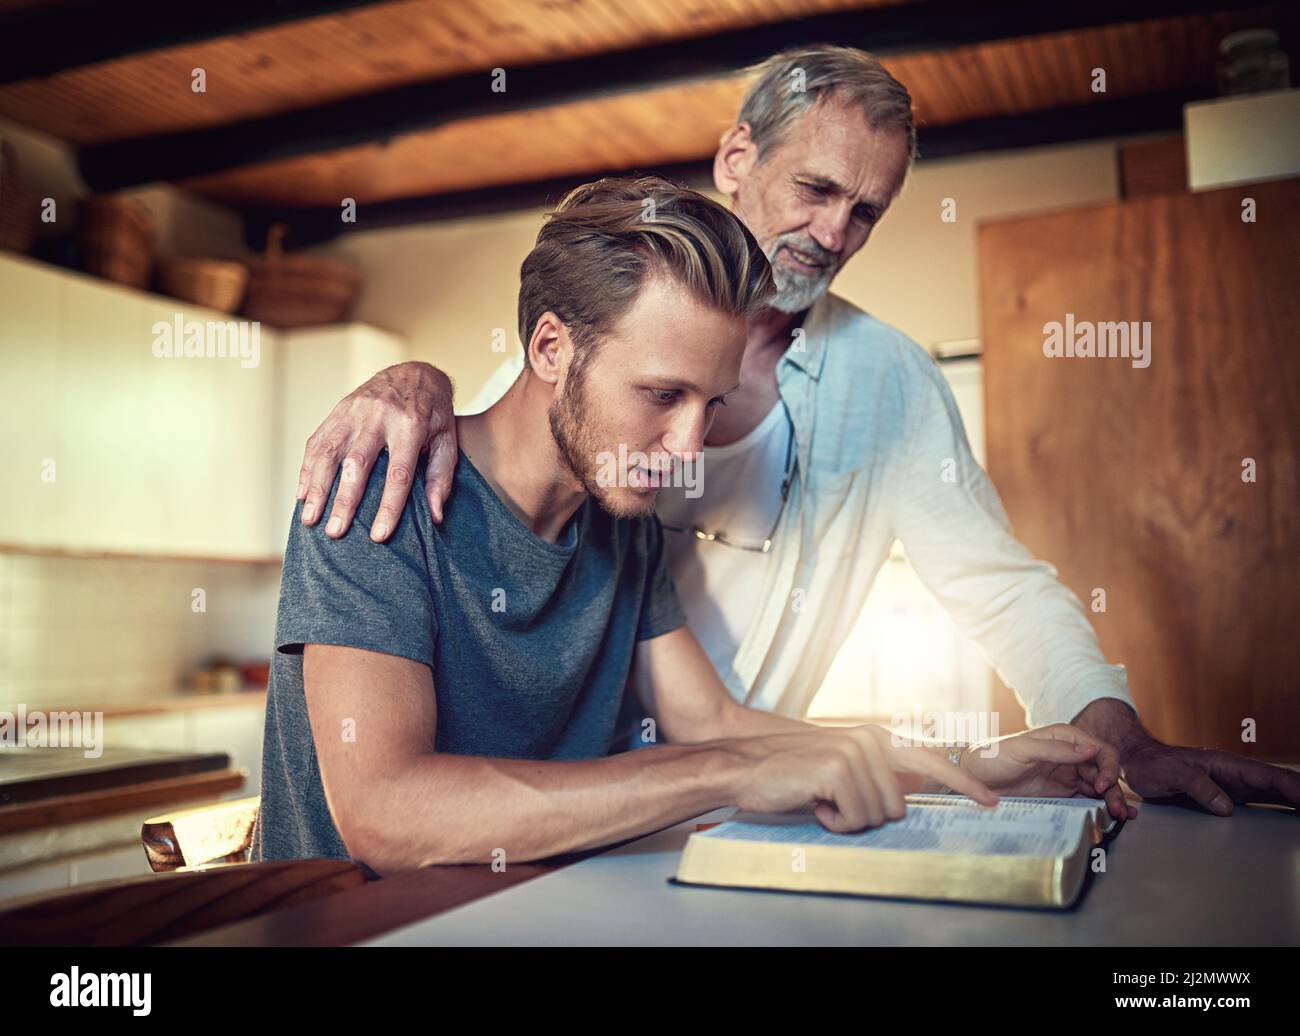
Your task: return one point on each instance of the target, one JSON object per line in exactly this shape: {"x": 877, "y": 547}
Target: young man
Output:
{"x": 880, "y": 449}
{"x": 453, "y": 693}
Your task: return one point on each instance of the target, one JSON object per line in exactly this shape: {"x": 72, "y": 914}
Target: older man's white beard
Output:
{"x": 795, "y": 293}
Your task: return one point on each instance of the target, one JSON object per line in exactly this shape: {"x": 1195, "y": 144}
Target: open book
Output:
{"x": 1023, "y": 852}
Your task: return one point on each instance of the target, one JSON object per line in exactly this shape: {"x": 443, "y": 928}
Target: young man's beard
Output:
{"x": 571, "y": 422}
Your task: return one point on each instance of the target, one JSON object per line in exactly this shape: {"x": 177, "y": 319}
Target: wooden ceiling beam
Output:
{"x": 54, "y": 37}
{"x": 924, "y": 26}
{"x": 1150, "y": 113}
{"x": 314, "y": 226}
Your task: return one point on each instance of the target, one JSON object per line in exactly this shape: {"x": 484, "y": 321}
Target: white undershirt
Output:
{"x": 719, "y": 586}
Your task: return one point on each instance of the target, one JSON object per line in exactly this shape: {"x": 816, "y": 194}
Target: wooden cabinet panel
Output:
{"x": 1130, "y": 479}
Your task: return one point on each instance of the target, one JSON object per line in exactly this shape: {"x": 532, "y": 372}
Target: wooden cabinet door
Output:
{"x": 1174, "y": 488}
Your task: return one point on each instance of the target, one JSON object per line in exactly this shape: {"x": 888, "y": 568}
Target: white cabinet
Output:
{"x": 965, "y": 376}
{"x": 117, "y": 449}
{"x": 110, "y": 447}
{"x": 34, "y": 505}
{"x": 235, "y": 729}
{"x": 315, "y": 368}
{"x": 159, "y": 455}
{"x": 207, "y": 425}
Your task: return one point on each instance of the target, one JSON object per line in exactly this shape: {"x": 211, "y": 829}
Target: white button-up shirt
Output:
{"x": 882, "y": 454}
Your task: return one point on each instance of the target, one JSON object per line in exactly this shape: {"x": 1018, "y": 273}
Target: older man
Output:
{"x": 842, "y": 438}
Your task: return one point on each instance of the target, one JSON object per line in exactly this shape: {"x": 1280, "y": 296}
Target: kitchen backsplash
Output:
{"x": 78, "y": 632}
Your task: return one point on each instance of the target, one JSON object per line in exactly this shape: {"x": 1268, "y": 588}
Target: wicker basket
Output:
{"x": 116, "y": 237}
{"x": 214, "y": 283}
{"x": 20, "y": 210}
{"x": 298, "y": 290}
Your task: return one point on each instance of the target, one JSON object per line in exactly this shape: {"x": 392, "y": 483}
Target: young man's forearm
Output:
{"x": 741, "y": 721}
{"x": 462, "y": 809}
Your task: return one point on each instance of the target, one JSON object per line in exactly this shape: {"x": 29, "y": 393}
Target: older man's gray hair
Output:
{"x": 793, "y": 81}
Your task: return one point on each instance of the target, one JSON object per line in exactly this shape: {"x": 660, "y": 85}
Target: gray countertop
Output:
{"x": 1174, "y": 877}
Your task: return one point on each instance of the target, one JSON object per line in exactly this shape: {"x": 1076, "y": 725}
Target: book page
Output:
{"x": 1096, "y": 807}
{"x": 1009, "y": 829}
{"x": 1076, "y": 802}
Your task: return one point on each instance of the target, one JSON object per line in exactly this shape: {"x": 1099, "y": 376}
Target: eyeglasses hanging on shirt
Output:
{"x": 720, "y": 535}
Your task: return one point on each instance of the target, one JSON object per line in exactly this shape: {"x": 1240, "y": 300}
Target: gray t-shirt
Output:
{"x": 530, "y": 642}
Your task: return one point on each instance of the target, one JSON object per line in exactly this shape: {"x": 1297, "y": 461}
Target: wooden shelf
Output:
{"x": 181, "y": 701}
{"x": 121, "y": 555}
{"x": 147, "y": 795}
